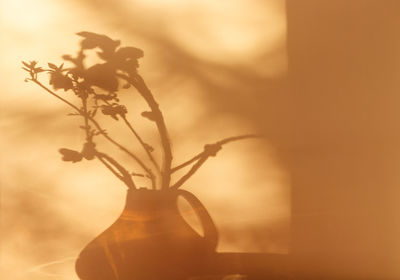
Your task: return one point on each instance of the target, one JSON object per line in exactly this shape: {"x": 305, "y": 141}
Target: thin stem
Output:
{"x": 144, "y": 145}
{"x": 162, "y": 129}
{"x": 110, "y": 168}
{"x": 56, "y": 95}
{"x": 223, "y": 141}
{"x": 148, "y": 170}
{"x": 85, "y": 117}
{"x": 138, "y": 82}
{"x": 202, "y": 157}
{"x": 186, "y": 163}
{"x": 240, "y": 137}
{"x": 101, "y": 131}
{"x": 124, "y": 177}
{"x": 193, "y": 170}
{"x": 109, "y": 162}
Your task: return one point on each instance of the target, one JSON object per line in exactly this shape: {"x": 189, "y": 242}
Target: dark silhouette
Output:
{"x": 150, "y": 240}
{"x": 120, "y": 65}
{"x": 333, "y": 121}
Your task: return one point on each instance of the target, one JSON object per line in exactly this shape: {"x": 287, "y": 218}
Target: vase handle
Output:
{"x": 209, "y": 228}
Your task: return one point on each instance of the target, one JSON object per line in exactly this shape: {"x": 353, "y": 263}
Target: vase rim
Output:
{"x": 150, "y": 190}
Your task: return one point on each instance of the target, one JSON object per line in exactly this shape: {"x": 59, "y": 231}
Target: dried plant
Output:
{"x": 97, "y": 88}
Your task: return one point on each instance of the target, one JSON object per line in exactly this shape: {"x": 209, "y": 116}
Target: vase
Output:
{"x": 150, "y": 241}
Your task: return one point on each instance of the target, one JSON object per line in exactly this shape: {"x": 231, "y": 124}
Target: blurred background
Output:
{"x": 320, "y": 79}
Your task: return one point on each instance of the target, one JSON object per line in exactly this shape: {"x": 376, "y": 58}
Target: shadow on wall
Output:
{"x": 333, "y": 122}
{"x": 150, "y": 239}
{"x": 335, "y": 125}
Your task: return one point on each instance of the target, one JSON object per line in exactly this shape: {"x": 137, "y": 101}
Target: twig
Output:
{"x": 144, "y": 145}
{"x": 186, "y": 163}
{"x": 210, "y": 150}
{"x": 222, "y": 142}
{"x": 55, "y": 95}
{"x": 148, "y": 170}
{"x": 138, "y": 82}
{"x": 101, "y": 131}
{"x": 193, "y": 170}
{"x": 85, "y": 117}
{"x": 240, "y": 137}
{"x": 119, "y": 176}
{"x": 124, "y": 176}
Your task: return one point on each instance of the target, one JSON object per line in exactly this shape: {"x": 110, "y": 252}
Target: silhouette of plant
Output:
{"x": 96, "y": 89}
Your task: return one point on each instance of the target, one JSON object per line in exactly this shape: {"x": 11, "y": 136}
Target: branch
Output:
{"x": 224, "y": 141}
{"x": 144, "y": 145}
{"x": 56, "y": 95}
{"x": 209, "y": 150}
{"x": 86, "y": 119}
{"x": 186, "y": 163}
{"x": 193, "y": 170}
{"x": 138, "y": 82}
{"x": 96, "y": 124}
{"x": 148, "y": 170}
{"x": 124, "y": 176}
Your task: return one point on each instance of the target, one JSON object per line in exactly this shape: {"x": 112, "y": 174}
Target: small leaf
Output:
{"x": 26, "y": 64}
{"x": 70, "y": 155}
{"x": 149, "y": 115}
{"x": 52, "y": 66}
{"x": 39, "y": 69}
{"x": 60, "y": 81}
{"x": 137, "y": 174}
{"x": 26, "y": 69}
{"x": 148, "y": 147}
{"x": 114, "y": 110}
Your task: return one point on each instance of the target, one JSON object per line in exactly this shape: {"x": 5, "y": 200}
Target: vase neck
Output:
{"x": 145, "y": 199}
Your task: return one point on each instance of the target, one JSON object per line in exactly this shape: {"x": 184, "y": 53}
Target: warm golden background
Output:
{"x": 202, "y": 59}
{"x": 321, "y": 79}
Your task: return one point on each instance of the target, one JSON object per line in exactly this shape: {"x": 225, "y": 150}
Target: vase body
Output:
{"x": 150, "y": 241}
